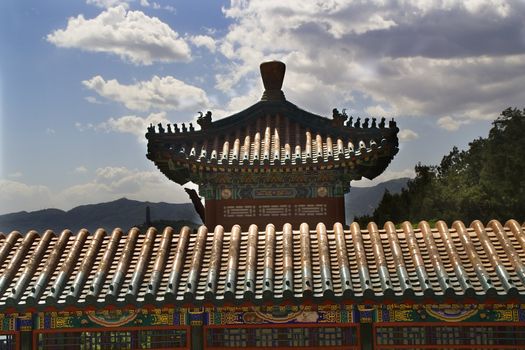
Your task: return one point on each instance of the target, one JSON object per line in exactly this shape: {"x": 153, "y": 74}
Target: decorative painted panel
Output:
{"x": 279, "y": 315}
{"x": 16, "y": 322}
{"x": 451, "y": 313}
{"x": 275, "y": 192}
{"x": 279, "y": 191}
{"x": 273, "y": 185}
{"x": 274, "y": 210}
{"x": 236, "y": 211}
{"x": 310, "y": 209}
{"x": 109, "y": 319}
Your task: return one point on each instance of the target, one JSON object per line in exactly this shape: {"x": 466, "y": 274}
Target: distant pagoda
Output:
{"x": 273, "y": 162}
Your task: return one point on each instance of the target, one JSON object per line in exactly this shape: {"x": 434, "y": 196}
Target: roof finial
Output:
{"x": 272, "y": 74}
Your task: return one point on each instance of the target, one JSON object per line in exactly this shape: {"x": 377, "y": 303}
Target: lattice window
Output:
{"x": 125, "y": 339}
{"x": 7, "y": 342}
{"x": 331, "y": 336}
{"x": 271, "y": 337}
{"x": 465, "y": 336}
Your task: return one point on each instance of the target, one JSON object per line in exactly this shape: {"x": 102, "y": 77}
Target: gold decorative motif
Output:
{"x": 402, "y": 315}
{"x": 226, "y": 193}
{"x": 107, "y": 319}
{"x": 332, "y": 317}
{"x": 322, "y": 191}
{"x": 367, "y": 308}
{"x": 452, "y": 313}
{"x": 161, "y": 319}
{"x": 63, "y": 322}
{"x": 228, "y": 318}
{"x": 507, "y": 315}
{"x": 196, "y": 310}
{"x": 285, "y": 316}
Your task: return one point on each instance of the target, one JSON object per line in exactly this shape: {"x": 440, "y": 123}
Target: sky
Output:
{"x": 81, "y": 80}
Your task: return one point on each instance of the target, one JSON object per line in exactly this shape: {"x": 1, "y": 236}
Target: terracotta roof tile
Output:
{"x": 269, "y": 264}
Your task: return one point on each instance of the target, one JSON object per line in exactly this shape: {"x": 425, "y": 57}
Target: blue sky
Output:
{"x": 80, "y": 80}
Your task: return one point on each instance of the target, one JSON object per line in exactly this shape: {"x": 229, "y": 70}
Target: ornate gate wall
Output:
{"x": 384, "y": 327}
{"x": 160, "y": 328}
{"x": 449, "y": 326}
{"x": 305, "y": 327}
{"x": 168, "y": 337}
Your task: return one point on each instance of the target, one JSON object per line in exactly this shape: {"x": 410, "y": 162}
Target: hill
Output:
{"x": 363, "y": 200}
{"x": 123, "y": 213}
{"x": 126, "y": 213}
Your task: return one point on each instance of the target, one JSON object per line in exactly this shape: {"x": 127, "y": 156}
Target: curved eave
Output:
{"x": 371, "y": 162}
{"x": 249, "y": 299}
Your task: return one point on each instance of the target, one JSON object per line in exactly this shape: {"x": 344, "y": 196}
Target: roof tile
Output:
{"x": 264, "y": 264}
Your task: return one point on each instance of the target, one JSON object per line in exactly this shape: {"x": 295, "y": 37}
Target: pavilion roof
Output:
{"x": 263, "y": 266}
{"x": 274, "y": 135}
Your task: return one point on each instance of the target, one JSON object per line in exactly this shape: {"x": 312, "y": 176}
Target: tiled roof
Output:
{"x": 268, "y": 265}
{"x": 265, "y": 148}
{"x": 273, "y": 134}
{"x": 265, "y": 152}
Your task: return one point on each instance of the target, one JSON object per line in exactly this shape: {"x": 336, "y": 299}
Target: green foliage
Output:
{"x": 485, "y": 182}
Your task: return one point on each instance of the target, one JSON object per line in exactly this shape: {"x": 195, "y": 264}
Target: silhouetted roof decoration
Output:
{"x": 273, "y": 135}
{"x": 263, "y": 266}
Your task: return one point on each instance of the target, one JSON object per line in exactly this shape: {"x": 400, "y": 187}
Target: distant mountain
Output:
{"x": 126, "y": 213}
{"x": 123, "y": 213}
{"x": 363, "y": 200}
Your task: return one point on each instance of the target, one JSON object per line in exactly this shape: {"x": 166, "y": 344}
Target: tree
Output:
{"x": 485, "y": 182}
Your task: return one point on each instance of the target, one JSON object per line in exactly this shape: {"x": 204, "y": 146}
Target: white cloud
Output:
{"x": 83, "y": 127}
{"x": 111, "y": 172}
{"x": 18, "y": 196}
{"x": 108, "y": 3}
{"x": 204, "y": 41}
{"x": 92, "y": 99}
{"x": 450, "y": 124}
{"x": 475, "y": 88}
{"x": 419, "y": 58}
{"x": 168, "y": 8}
{"x": 159, "y": 93}
{"x": 15, "y": 175}
{"x": 385, "y": 176}
{"x": 377, "y": 111}
{"x": 129, "y": 124}
{"x": 109, "y": 183}
{"x": 50, "y": 131}
{"x": 132, "y": 35}
{"x": 81, "y": 169}
{"x": 407, "y": 135}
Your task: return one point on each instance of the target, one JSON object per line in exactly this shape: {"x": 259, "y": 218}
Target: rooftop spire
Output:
{"x": 272, "y": 74}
